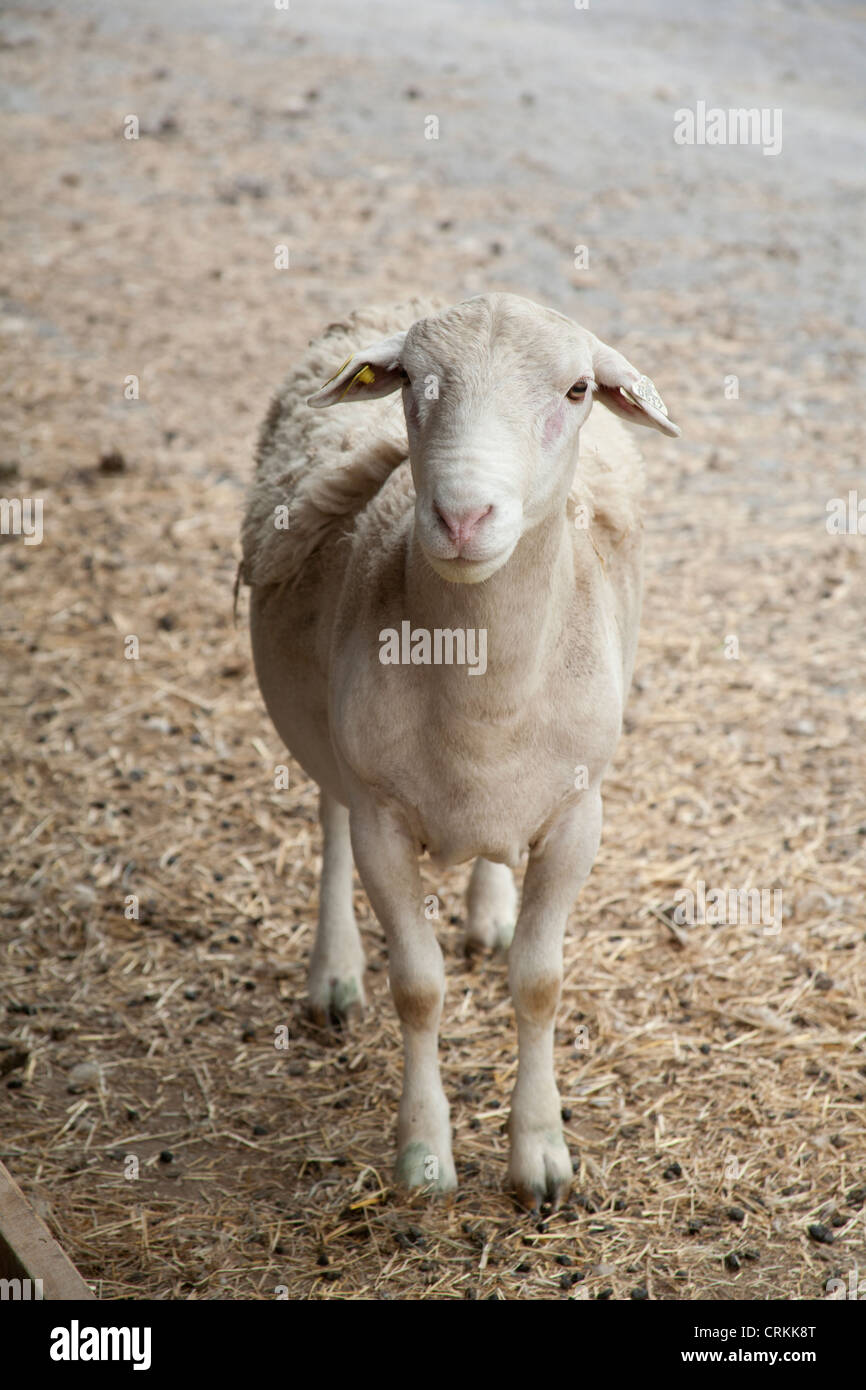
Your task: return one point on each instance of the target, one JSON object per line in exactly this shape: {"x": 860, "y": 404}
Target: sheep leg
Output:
{"x": 388, "y": 864}
{"x": 336, "y": 975}
{"x": 491, "y": 904}
{"x": 539, "y": 1168}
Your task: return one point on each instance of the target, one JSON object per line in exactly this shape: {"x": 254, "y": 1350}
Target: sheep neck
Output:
{"x": 520, "y": 606}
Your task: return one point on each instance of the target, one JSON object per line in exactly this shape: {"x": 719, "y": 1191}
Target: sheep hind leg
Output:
{"x": 491, "y": 908}
{"x": 336, "y": 974}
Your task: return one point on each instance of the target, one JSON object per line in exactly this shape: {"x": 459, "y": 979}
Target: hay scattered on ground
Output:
{"x": 713, "y": 1078}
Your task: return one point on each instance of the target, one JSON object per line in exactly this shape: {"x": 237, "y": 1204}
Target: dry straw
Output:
{"x": 716, "y": 1114}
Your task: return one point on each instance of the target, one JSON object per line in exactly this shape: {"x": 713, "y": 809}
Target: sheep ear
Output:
{"x": 377, "y": 371}
{"x": 625, "y": 391}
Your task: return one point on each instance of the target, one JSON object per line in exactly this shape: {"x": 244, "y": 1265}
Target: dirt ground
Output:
{"x": 713, "y": 1078}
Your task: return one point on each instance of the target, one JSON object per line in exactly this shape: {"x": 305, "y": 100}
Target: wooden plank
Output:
{"x": 29, "y": 1251}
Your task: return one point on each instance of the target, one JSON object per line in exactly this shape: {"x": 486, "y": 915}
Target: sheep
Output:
{"x": 464, "y": 511}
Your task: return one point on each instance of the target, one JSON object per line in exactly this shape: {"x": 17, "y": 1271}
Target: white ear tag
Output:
{"x": 644, "y": 390}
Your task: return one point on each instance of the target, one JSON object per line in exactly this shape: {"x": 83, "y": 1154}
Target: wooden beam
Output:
{"x": 29, "y": 1251}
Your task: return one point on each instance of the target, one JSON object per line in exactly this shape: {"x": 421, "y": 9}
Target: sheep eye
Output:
{"x": 577, "y": 392}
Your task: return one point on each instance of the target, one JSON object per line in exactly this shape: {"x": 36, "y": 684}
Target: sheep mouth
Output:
{"x": 461, "y": 569}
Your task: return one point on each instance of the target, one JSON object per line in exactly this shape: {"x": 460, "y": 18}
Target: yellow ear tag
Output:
{"x": 366, "y": 374}
{"x": 341, "y": 368}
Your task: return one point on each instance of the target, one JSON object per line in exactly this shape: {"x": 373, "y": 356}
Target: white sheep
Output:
{"x": 464, "y": 512}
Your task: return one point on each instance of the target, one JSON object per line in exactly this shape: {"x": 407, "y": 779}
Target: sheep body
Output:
{"x": 501, "y": 769}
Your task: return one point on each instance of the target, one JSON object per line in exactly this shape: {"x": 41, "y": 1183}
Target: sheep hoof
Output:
{"x": 336, "y": 1002}
{"x": 540, "y": 1170}
{"x": 419, "y": 1166}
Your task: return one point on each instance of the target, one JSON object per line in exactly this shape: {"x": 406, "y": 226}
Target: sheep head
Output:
{"x": 495, "y": 391}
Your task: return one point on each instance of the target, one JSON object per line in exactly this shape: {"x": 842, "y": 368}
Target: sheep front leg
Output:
{"x": 388, "y": 864}
{"x": 539, "y": 1166}
{"x": 336, "y": 977}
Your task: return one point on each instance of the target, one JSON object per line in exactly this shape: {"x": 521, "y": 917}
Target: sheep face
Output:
{"x": 495, "y": 391}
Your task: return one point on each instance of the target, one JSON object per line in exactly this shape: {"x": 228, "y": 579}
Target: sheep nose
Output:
{"x": 461, "y": 525}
